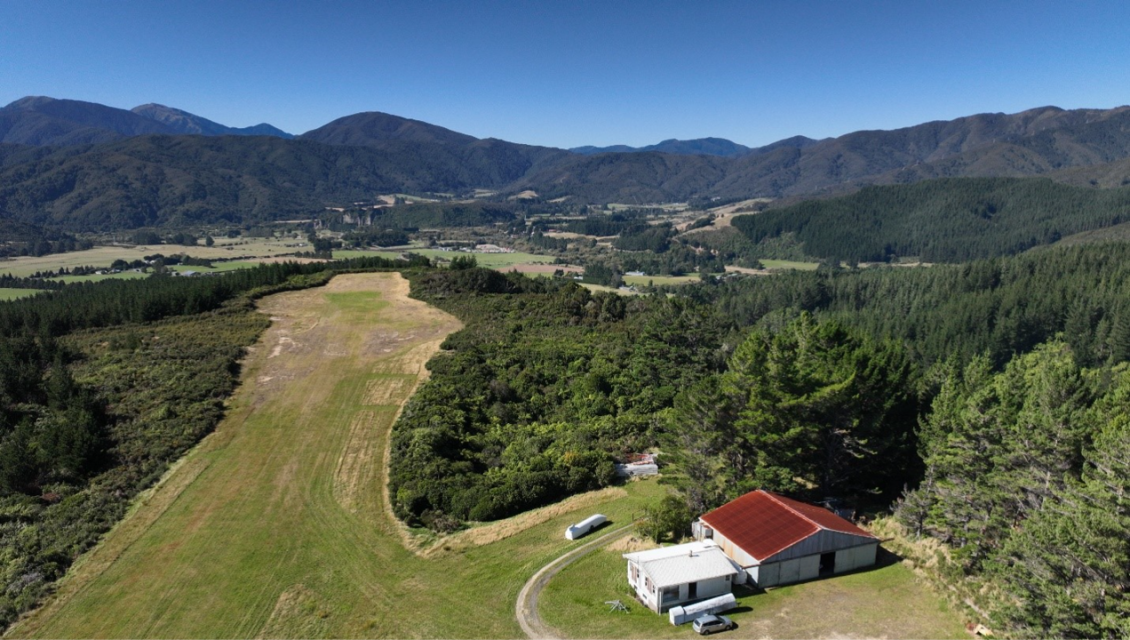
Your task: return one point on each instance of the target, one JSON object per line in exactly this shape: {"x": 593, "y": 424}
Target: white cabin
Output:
{"x": 671, "y": 576}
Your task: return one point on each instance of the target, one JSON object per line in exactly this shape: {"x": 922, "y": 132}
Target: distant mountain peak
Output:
{"x": 373, "y": 127}
{"x": 700, "y": 147}
{"x": 697, "y": 147}
{"x": 28, "y": 102}
{"x": 184, "y": 122}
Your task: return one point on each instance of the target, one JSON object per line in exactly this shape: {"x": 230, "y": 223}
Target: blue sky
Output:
{"x": 572, "y": 73}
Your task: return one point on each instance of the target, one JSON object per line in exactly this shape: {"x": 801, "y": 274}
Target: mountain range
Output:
{"x": 84, "y": 166}
{"x": 700, "y": 147}
{"x": 43, "y": 121}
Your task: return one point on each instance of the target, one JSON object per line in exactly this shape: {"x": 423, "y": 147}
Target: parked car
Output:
{"x": 712, "y": 624}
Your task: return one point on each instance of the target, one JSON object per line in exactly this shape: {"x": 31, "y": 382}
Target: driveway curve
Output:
{"x": 527, "y": 607}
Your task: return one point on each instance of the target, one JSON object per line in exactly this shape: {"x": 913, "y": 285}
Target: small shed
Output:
{"x": 777, "y": 540}
{"x": 670, "y": 576}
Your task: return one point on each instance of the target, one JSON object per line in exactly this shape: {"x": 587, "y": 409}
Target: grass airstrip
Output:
{"x": 277, "y": 524}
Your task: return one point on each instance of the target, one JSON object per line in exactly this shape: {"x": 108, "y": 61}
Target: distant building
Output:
{"x": 777, "y": 540}
{"x": 671, "y": 576}
{"x": 638, "y": 465}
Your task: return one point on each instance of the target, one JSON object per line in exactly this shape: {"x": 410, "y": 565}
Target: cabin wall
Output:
{"x": 680, "y": 594}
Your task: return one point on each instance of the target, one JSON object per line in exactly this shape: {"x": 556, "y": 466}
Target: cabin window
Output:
{"x": 647, "y": 584}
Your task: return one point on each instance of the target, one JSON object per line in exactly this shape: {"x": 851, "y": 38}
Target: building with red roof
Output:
{"x": 778, "y": 540}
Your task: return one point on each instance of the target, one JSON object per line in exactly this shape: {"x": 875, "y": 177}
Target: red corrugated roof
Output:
{"x": 764, "y": 524}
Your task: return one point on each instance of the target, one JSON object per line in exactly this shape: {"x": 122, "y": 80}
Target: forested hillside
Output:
{"x": 951, "y": 220}
{"x": 102, "y": 181}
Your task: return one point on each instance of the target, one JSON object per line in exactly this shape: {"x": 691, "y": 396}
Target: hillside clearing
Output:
{"x": 276, "y": 525}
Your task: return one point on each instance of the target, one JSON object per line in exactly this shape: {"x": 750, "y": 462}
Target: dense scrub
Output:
{"x": 545, "y": 387}
{"x": 950, "y": 220}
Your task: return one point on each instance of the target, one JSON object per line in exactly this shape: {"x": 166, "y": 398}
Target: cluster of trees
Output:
{"x": 1027, "y": 478}
{"x": 376, "y": 237}
{"x": 23, "y": 239}
{"x": 9, "y": 281}
{"x": 809, "y": 409}
{"x": 601, "y": 225}
{"x": 949, "y": 220}
{"x": 430, "y": 215}
{"x": 565, "y": 382}
{"x": 546, "y": 243}
{"x": 655, "y": 238}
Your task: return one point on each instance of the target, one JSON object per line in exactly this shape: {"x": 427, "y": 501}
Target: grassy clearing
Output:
{"x": 492, "y": 260}
{"x": 13, "y": 294}
{"x": 224, "y": 248}
{"x": 277, "y": 524}
{"x": 217, "y": 267}
{"x": 885, "y": 602}
{"x": 789, "y": 264}
{"x": 95, "y": 277}
{"x": 660, "y": 280}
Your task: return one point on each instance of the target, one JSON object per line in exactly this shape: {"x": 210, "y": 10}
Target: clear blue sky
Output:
{"x": 565, "y": 73}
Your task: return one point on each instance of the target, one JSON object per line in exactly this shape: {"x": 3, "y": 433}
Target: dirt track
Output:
{"x": 527, "y": 606}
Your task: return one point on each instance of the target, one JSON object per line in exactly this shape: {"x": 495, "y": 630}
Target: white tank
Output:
{"x": 584, "y": 526}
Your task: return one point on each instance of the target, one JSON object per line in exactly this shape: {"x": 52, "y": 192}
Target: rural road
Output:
{"x": 527, "y": 608}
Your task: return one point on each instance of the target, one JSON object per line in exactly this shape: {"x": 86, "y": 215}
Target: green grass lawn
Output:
{"x": 884, "y": 602}
{"x": 13, "y": 294}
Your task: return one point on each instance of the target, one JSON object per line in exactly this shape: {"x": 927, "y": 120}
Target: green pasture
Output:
{"x": 14, "y": 294}
{"x": 490, "y": 260}
{"x": 104, "y": 256}
{"x": 887, "y": 602}
{"x": 660, "y": 280}
{"x": 789, "y": 264}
